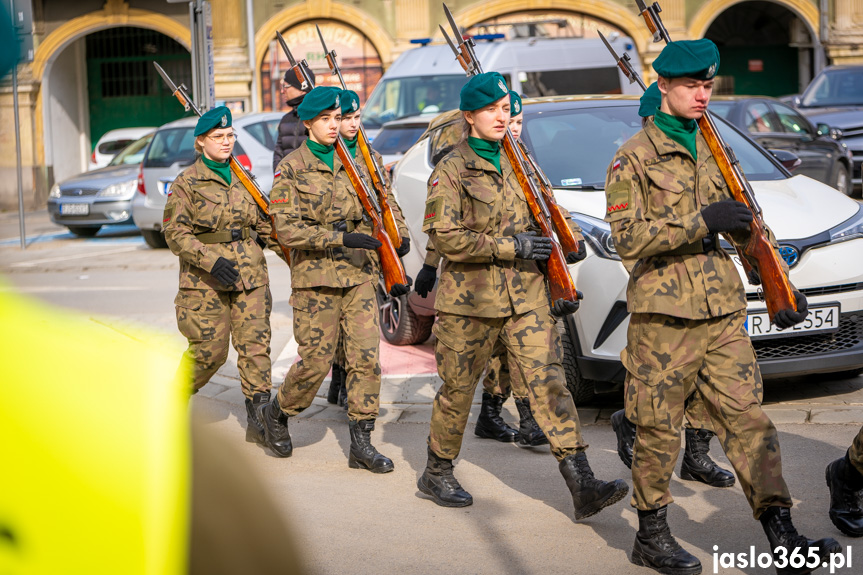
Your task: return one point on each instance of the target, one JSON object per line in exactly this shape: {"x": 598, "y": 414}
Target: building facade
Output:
{"x": 92, "y": 68}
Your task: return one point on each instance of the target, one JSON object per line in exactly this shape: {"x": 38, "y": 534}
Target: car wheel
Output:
{"x": 583, "y": 390}
{"x": 399, "y": 324}
{"x": 155, "y": 239}
{"x": 85, "y": 231}
{"x": 841, "y": 179}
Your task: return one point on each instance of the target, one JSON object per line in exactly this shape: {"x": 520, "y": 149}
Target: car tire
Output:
{"x": 84, "y": 231}
{"x": 583, "y": 390}
{"x": 155, "y": 239}
{"x": 399, "y": 324}
{"x": 841, "y": 179}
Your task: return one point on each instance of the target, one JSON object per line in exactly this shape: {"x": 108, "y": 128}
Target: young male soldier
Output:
{"x": 666, "y": 202}
{"x": 216, "y": 229}
{"x": 334, "y": 274}
{"x": 291, "y": 133}
{"x": 697, "y": 464}
{"x": 490, "y": 288}
{"x": 845, "y": 481}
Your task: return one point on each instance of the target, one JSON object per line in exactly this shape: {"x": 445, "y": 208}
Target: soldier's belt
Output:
{"x": 345, "y": 226}
{"x": 706, "y": 244}
{"x": 227, "y": 236}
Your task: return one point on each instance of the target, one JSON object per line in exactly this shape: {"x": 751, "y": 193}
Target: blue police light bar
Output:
{"x": 489, "y": 37}
{"x": 421, "y": 41}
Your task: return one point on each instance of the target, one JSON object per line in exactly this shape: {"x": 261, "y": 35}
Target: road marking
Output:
{"x": 66, "y": 258}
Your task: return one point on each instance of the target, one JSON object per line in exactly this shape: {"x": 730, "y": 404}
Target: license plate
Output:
{"x": 74, "y": 209}
{"x": 820, "y": 319}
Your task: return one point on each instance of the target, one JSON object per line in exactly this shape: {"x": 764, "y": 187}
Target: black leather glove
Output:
{"x": 225, "y": 271}
{"x": 425, "y": 280}
{"x": 726, "y": 216}
{"x": 531, "y": 246}
{"x": 786, "y": 318}
{"x": 564, "y": 307}
{"x": 403, "y": 249}
{"x": 401, "y": 289}
{"x": 340, "y": 226}
{"x": 364, "y": 241}
{"x": 573, "y": 257}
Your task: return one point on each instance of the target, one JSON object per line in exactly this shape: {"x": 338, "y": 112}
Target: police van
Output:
{"x": 427, "y": 80}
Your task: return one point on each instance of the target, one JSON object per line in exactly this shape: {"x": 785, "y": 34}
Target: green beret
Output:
{"x": 514, "y": 103}
{"x": 482, "y": 90}
{"x": 650, "y": 101}
{"x": 219, "y": 117}
{"x": 319, "y": 99}
{"x": 350, "y": 101}
{"x": 698, "y": 59}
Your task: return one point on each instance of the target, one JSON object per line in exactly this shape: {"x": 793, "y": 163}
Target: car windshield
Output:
{"x": 170, "y": 146}
{"x": 570, "y": 159}
{"x": 398, "y": 98}
{"x": 841, "y": 87}
{"x": 397, "y": 139}
{"x": 132, "y": 154}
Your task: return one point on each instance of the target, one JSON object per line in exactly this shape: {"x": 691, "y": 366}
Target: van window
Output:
{"x": 402, "y": 97}
{"x": 568, "y": 82}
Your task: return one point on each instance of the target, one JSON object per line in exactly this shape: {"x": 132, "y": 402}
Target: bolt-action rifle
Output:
{"x": 391, "y": 265}
{"x": 247, "y": 179}
{"x": 560, "y": 284}
{"x": 757, "y": 254}
{"x": 375, "y": 169}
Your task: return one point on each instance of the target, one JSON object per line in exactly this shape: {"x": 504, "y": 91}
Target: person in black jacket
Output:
{"x": 291, "y": 133}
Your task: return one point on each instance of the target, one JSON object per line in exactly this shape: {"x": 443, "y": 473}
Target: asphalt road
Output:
{"x": 353, "y": 521}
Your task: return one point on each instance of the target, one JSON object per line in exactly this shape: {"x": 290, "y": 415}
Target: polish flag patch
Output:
{"x": 434, "y": 183}
{"x": 615, "y": 165}
{"x": 277, "y": 174}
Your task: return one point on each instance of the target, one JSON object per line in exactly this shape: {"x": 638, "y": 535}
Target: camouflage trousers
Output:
{"x": 533, "y": 346}
{"x": 209, "y": 319}
{"x": 500, "y": 379}
{"x": 320, "y": 315}
{"x": 855, "y": 453}
{"x": 665, "y": 358}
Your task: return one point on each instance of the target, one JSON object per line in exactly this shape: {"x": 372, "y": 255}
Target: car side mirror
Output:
{"x": 789, "y": 160}
{"x": 796, "y": 101}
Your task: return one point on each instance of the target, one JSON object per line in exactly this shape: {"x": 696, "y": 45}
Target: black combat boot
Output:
{"x": 589, "y": 494}
{"x": 336, "y": 384}
{"x": 276, "y": 433}
{"x": 529, "y": 433}
{"x": 780, "y": 532}
{"x": 363, "y": 454}
{"x": 439, "y": 483}
{"x": 490, "y": 424}
{"x": 656, "y": 547}
{"x": 697, "y": 465}
{"x": 625, "y": 431}
{"x": 846, "y": 496}
{"x": 254, "y": 425}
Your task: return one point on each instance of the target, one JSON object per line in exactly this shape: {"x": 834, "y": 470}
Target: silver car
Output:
{"x": 88, "y": 201}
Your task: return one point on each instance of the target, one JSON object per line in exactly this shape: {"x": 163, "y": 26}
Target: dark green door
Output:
{"x": 125, "y": 91}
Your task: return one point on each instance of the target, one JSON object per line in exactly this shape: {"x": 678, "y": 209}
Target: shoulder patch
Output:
{"x": 618, "y": 196}
{"x": 277, "y": 174}
{"x": 434, "y": 207}
{"x": 169, "y": 212}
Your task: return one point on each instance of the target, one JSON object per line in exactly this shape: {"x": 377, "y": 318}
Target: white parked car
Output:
{"x": 574, "y": 139}
{"x": 112, "y": 143}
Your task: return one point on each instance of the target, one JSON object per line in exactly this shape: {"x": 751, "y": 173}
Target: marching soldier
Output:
{"x": 490, "y": 288}
{"x": 334, "y": 273}
{"x": 217, "y": 230}
{"x": 697, "y": 464}
{"x": 845, "y": 482}
{"x": 666, "y": 202}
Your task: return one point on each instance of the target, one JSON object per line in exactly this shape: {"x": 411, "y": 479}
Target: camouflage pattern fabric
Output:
{"x": 499, "y": 378}
{"x": 201, "y": 202}
{"x": 664, "y": 358}
{"x": 209, "y": 319}
{"x": 391, "y": 198}
{"x": 533, "y": 344}
{"x": 855, "y": 453}
{"x": 320, "y": 314}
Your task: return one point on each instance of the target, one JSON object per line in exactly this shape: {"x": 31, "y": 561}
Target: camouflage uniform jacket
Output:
{"x": 201, "y": 202}
{"x": 306, "y": 200}
{"x": 471, "y": 216}
{"x": 655, "y": 192}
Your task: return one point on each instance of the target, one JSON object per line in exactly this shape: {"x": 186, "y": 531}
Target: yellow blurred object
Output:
{"x": 94, "y": 445}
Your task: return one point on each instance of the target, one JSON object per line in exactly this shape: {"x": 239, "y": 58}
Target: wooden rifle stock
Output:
{"x": 380, "y": 186}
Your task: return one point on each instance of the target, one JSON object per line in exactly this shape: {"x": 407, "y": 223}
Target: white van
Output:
{"x": 427, "y": 80}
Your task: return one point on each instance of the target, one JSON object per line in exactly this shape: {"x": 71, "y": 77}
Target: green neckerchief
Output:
{"x": 352, "y": 145}
{"x": 680, "y": 130}
{"x": 222, "y": 169}
{"x": 322, "y": 152}
{"x": 486, "y": 150}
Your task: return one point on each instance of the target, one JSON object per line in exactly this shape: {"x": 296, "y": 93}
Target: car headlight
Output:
{"x": 119, "y": 190}
{"x": 55, "y": 191}
{"x": 598, "y": 234}
{"x": 850, "y": 229}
